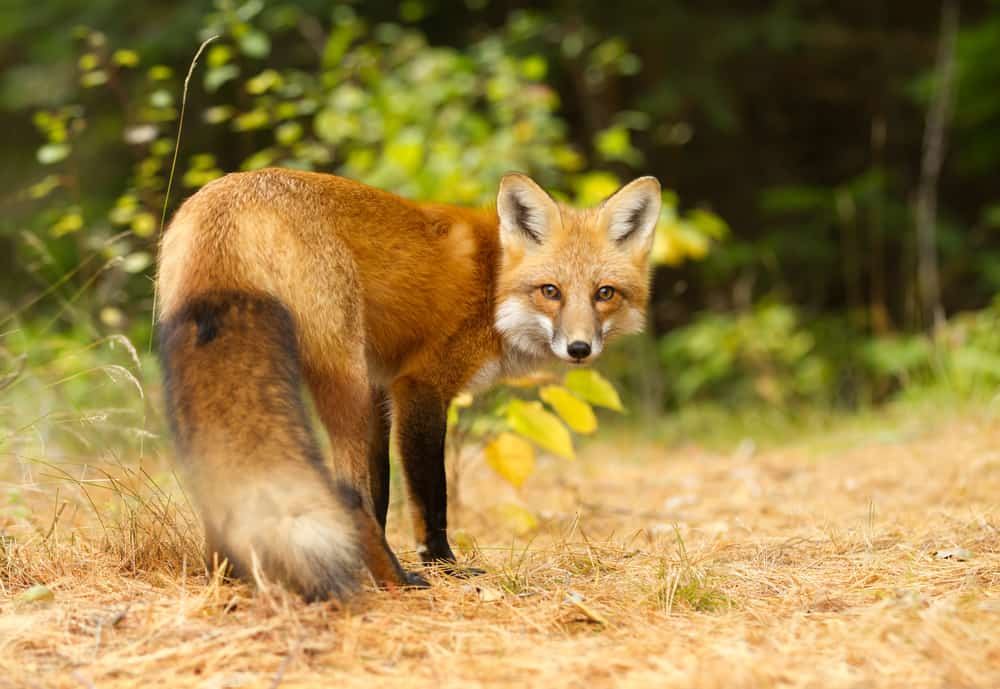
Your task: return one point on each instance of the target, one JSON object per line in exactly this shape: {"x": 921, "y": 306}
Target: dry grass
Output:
{"x": 797, "y": 567}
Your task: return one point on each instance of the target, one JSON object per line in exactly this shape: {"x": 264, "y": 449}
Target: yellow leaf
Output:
{"x": 593, "y": 387}
{"x": 518, "y": 519}
{"x": 531, "y": 420}
{"x": 530, "y": 380}
{"x": 666, "y": 249}
{"x": 511, "y": 457}
{"x": 577, "y": 414}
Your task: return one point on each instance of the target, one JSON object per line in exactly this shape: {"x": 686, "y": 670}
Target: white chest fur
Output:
{"x": 513, "y": 363}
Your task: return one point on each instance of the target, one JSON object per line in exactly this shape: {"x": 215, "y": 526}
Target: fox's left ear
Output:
{"x": 630, "y": 214}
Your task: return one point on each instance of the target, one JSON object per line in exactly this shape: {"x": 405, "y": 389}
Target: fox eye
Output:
{"x": 550, "y": 291}
{"x": 605, "y": 293}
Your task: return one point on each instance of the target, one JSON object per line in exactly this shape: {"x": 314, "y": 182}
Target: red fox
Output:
{"x": 276, "y": 281}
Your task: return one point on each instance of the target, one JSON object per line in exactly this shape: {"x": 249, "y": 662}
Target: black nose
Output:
{"x": 578, "y": 349}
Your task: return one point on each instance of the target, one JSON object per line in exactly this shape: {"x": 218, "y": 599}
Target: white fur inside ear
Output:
{"x": 634, "y": 217}
{"x": 521, "y": 214}
{"x": 525, "y": 211}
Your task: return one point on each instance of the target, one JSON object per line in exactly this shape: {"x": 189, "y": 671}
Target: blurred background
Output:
{"x": 830, "y": 240}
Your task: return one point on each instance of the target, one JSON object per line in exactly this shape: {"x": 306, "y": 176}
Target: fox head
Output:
{"x": 570, "y": 279}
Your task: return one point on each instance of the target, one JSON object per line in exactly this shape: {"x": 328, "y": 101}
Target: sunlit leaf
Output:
{"x": 161, "y": 98}
{"x": 512, "y": 457}
{"x": 218, "y": 55}
{"x": 96, "y": 78}
{"x": 125, "y": 58}
{"x": 87, "y": 62}
{"x": 136, "y": 262}
{"x": 406, "y": 150}
{"x": 144, "y": 225}
{"x": 160, "y": 73}
{"x": 199, "y": 178}
{"x": 217, "y": 114}
{"x": 112, "y": 317}
{"x": 534, "y": 67}
{"x": 288, "y": 133}
{"x": 531, "y": 420}
{"x": 68, "y": 223}
{"x": 255, "y": 119}
{"x": 614, "y": 143}
{"x": 264, "y": 82}
{"x": 577, "y": 414}
{"x": 45, "y": 187}
{"x": 590, "y": 385}
{"x": 217, "y": 76}
{"x": 594, "y": 187}
{"x": 255, "y": 44}
{"x": 666, "y": 249}
{"x": 516, "y": 518}
{"x": 708, "y": 223}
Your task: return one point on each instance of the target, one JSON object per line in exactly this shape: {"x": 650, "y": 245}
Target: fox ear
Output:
{"x": 527, "y": 214}
{"x": 631, "y": 213}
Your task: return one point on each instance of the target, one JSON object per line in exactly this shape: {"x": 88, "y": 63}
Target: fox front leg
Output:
{"x": 421, "y": 425}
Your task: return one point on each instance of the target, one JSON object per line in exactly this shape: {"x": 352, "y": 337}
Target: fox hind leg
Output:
{"x": 345, "y": 402}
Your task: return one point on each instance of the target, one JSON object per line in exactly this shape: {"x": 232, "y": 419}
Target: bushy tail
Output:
{"x": 233, "y": 386}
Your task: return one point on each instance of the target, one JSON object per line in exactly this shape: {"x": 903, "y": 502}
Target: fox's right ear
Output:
{"x": 528, "y": 215}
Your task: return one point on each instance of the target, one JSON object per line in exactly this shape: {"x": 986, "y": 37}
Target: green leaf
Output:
{"x": 136, "y": 262}
{"x": 161, "y": 98}
{"x": 614, "y": 143}
{"x": 255, "y": 119}
{"x": 96, "y": 78}
{"x": 534, "y": 67}
{"x": 217, "y": 76}
{"x": 217, "y": 114}
{"x": 87, "y": 62}
{"x": 259, "y": 159}
{"x": 594, "y": 187}
{"x": 265, "y": 81}
{"x": 406, "y": 150}
{"x": 255, "y": 44}
{"x": 577, "y": 414}
{"x": 708, "y": 223}
{"x": 126, "y": 58}
{"x": 218, "y": 55}
{"x": 46, "y": 186}
{"x": 144, "y": 225}
{"x": 531, "y": 420}
{"x": 160, "y": 73}
{"x": 511, "y": 457}
{"x": 68, "y": 223}
{"x": 593, "y": 387}
{"x": 288, "y": 133}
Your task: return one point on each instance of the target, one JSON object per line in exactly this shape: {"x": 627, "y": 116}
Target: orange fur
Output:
{"x": 382, "y": 294}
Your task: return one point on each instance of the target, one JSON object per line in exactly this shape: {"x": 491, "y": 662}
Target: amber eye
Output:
{"x": 550, "y": 291}
{"x": 605, "y": 293}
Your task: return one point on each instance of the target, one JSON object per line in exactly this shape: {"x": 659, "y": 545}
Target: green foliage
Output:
{"x": 764, "y": 354}
{"x": 372, "y": 101}
{"x": 772, "y": 354}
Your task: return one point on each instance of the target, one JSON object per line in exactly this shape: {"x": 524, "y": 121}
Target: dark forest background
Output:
{"x": 832, "y": 233}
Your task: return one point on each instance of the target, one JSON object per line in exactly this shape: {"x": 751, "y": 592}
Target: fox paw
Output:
{"x": 462, "y": 571}
{"x": 414, "y": 580}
